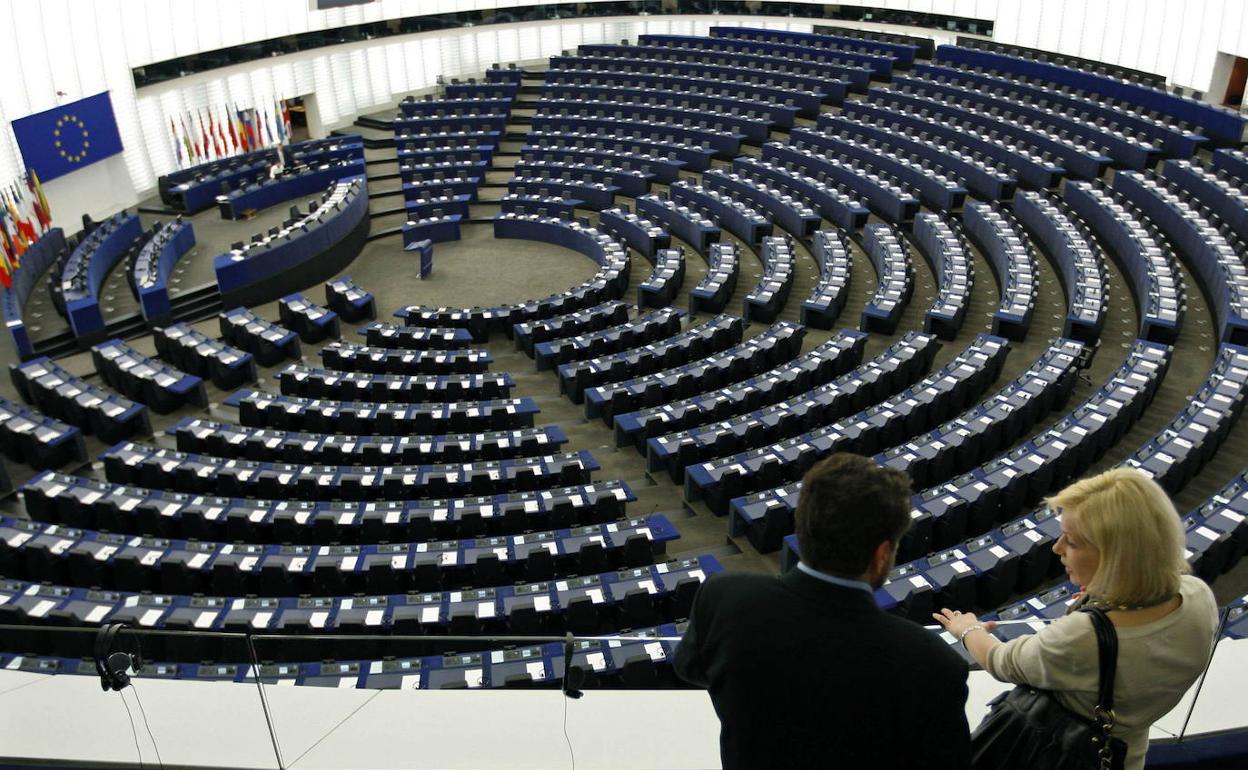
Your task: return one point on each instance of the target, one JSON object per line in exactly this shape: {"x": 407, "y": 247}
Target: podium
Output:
{"x": 425, "y": 248}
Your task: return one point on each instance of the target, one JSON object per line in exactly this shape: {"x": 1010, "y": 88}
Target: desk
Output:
{"x": 152, "y": 266}
{"x": 319, "y": 241}
{"x": 38, "y": 258}
{"x": 287, "y": 188}
{"x": 89, "y": 265}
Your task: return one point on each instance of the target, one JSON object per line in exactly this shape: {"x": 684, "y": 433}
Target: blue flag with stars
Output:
{"x": 67, "y": 138}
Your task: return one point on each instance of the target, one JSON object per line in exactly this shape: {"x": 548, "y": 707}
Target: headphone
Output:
{"x": 110, "y": 665}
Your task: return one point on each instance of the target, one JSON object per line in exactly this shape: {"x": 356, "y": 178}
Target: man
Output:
{"x": 805, "y": 670}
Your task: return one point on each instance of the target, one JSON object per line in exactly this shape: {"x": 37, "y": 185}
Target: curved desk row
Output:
{"x": 153, "y": 265}
{"x": 87, "y": 267}
{"x": 35, "y": 262}
{"x": 314, "y": 248}
{"x": 288, "y": 187}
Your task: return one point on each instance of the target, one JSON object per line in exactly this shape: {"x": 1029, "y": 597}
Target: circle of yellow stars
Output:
{"x": 71, "y": 121}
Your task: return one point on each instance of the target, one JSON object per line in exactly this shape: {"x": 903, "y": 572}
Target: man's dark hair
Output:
{"x": 848, "y": 506}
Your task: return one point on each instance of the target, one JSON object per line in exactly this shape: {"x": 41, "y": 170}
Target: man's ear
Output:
{"x": 882, "y": 559}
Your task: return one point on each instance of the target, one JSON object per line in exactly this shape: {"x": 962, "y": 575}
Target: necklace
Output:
{"x": 1102, "y": 604}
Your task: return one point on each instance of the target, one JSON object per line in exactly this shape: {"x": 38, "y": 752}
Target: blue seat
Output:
{"x": 530, "y": 333}
{"x": 203, "y": 436}
{"x": 301, "y": 380}
{"x": 980, "y": 175}
{"x": 881, "y": 192}
{"x": 311, "y": 321}
{"x": 352, "y": 303}
{"x": 564, "y": 150}
{"x": 244, "y": 272}
{"x": 1208, "y": 254}
{"x": 130, "y": 463}
{"x": 827, "y": 299}
{"x": 1144, "y": 256}
{"x": 832, "y": 201}
{"x": 779, "y": 343}
{"x": 941, "y": 241}
{"x": 627, "y": 181}
{"x": 768, "y": 296}
{"x": 995, "y": 423}
{"x": 660, "y": 287}
{"x": 694, "y": 343}
{"x": 261, "y": 409}
{"x": 400, "y": 614}
{"x": 815, "y": 367}
{"x": 897, "y": 367}
{"x": 642, "y": 235}
{"x": 402, "y": 338}
{"x": 1028, "y": 166}
{"x": 88, "y": 503}
{"x": 265, "y": 340}
{"x": 1216, "y": 121}
{"x": 151, "y": 267}
{"x": 195, "y": 352}
{"x": 1080, "y": 261}
{"x": 644, "y": 329}
{"x": 298, "y": 184}
{"x": 732, "y": 215}
{"x": 877, "y": 427}
{"x": 889, "y": 251}
{"x": 59, "y": 394}
{"x": 1076, "y": 158}
{"x": 688, "y": 223}
{"x": 161, "y": 387}
{"x": 1013, "y": 262}
{"x": 541, "y": 205}
{"x": 723, "y": 269}
{"x": 805, "y": 93}
{"x": 76, "y": 289}
{"x": 903, "y": 54}
{"x": 49, "y": 553}
{"x": 785, "y": 210}
{"x": 776, "y": 103}
{"x": 38, "y": 440}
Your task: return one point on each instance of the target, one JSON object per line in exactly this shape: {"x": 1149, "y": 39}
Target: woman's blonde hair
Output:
{"x": 1128, "y": 518}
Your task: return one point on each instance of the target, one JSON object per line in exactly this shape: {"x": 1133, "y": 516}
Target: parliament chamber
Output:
{"x": 464, "y": 370}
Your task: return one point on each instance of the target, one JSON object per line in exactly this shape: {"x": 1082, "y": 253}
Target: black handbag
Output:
{"x": 1027, "y": 729}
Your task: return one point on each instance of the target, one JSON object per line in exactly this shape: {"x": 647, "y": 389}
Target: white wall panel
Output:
{"x": 1179, "y": 40}
{"x": 1092, "y": 36}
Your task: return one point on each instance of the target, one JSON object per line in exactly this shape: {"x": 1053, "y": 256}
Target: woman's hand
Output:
{"x": 956, "y": 622}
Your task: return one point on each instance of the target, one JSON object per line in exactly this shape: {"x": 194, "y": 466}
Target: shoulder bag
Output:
{"x": 1028, "y": 729}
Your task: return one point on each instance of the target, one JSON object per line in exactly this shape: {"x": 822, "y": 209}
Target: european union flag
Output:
{"x": 65, "y": 139}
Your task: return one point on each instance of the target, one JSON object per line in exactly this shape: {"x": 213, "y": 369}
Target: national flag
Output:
{"x": 229, "y": 121}
{"x": 245, "y": 117}
{"x": 223, "y": 147}
{"x": 20, "y": 241}
{"x": 8, "y": 251}
{"x": 44, "y": 220}
{"x": 23, "y": 217}
{"x": 177, "y": 144}
{"x": 277, "y": 121}
{"x": 43, "y": 200}
{"x": 268, "y": 126}
{"x": 286, "y": 121}
{"x": 191, "y": 150}
{"x": 243, "y": 138}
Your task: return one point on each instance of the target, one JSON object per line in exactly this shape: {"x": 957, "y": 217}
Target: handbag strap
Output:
{"x": 1107, "y": 655}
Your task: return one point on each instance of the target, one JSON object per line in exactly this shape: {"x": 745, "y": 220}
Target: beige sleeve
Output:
{"x": 1061, "y": 656}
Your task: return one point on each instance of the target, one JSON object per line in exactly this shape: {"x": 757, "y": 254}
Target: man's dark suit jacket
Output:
{"x": 804, "y": 673}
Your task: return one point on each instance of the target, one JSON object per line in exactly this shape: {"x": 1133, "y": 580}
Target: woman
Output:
{"x": 1122, "y": 542}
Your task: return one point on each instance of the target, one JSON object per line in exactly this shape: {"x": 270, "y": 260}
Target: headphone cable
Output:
{"x": 143, "y": 714}
{"x": 133, "y": 731}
